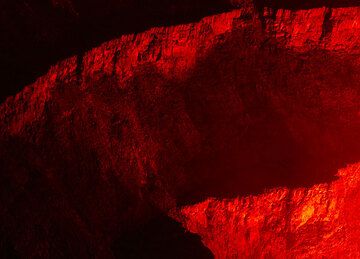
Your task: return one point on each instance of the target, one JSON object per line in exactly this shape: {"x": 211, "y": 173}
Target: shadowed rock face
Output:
{"x": 229, "y": 106}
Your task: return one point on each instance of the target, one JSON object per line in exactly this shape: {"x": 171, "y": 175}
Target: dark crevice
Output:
{"x": 115, "y": 59}
{"x": 327, "y": 24}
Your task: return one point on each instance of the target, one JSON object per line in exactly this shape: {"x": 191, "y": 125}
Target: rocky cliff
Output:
{"x": 38, "y": 33}
{"x": 321, "y": 221}
{"x": 227, "y": 107}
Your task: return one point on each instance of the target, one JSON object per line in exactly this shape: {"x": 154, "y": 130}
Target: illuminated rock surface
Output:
{"x": 38, "y": 33}
{"x": 225, "y": 107}
{"x": 321, "y": 221}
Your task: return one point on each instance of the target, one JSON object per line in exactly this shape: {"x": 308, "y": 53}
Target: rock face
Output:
{"x": 38, "y": 33}
{"x": 321, "y": 221}
{"x": 149, "y": 122}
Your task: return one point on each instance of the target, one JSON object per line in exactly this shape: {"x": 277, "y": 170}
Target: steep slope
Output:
{"x": 221, "y": 108}
{"x": 316, "y": 222}
{"x": 37, "y": 33}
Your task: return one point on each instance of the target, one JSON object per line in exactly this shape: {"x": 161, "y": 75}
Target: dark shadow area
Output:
{"x": 161, "y": 237}
{"x": 7, "y": 250}
{"x": 249, "y": 116}
{"x": 267, "y": 117}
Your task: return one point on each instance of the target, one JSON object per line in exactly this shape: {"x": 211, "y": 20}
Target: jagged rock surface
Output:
{"x": 38, "y": 33}
{"x": 316, "y": 222}
{"x": 220, "y": 108}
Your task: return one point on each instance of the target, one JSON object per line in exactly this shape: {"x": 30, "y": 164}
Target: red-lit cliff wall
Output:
{"x": 38, "y": 33}
{"x": 221, "y": 108}
{"x": 321, "y": 221}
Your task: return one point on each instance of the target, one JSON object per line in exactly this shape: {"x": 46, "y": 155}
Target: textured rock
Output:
{"x": 221, "y": 108}
{"x": 321, "y": 221}
{"x": 37, "y": 33}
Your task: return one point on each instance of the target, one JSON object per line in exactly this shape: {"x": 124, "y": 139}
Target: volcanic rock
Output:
{"x": 321, "y": 221}
{"x": 226, "y": 107}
